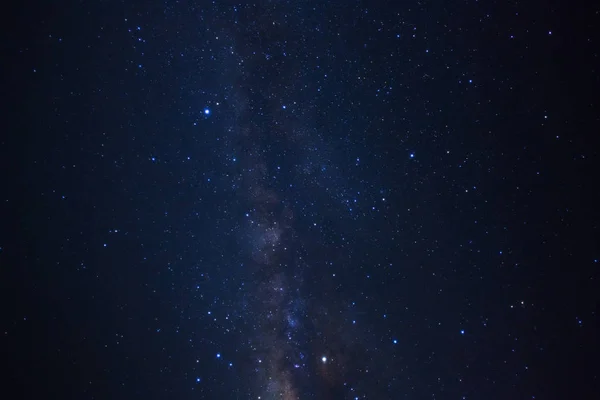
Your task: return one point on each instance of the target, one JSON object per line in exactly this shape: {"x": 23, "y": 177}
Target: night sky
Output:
{"x": 300, "y": 200}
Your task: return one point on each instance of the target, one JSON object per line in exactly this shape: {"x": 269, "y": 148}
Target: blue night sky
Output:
{"x": 290, "y": 200}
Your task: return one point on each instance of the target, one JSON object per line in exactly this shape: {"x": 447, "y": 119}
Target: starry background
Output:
{"x": 300, "y": 200}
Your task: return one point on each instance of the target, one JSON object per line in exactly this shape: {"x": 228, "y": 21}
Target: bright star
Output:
{"x": 324, "y": 359}
{"x": 206, "y": 111}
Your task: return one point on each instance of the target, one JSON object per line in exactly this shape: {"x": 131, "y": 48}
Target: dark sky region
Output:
{"x": 290, "y": 200}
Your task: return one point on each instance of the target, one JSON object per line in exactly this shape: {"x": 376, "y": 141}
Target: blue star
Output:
{"x": 206, "y": 111}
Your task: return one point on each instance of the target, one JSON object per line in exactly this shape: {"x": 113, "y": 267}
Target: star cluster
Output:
{"x": 301, "y": 200}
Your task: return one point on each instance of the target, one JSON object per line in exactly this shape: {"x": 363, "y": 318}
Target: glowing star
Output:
{"x": 206, "y": 111}
{"x": 324, "y": 359}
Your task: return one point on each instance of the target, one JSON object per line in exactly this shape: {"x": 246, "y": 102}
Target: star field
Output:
{"x": 301, "y": 200}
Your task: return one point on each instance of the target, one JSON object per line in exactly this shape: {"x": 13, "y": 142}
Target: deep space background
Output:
{"x": 300, "y": 200}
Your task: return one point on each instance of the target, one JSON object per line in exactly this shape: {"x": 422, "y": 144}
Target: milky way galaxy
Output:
{"x": 300, "y": 200}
